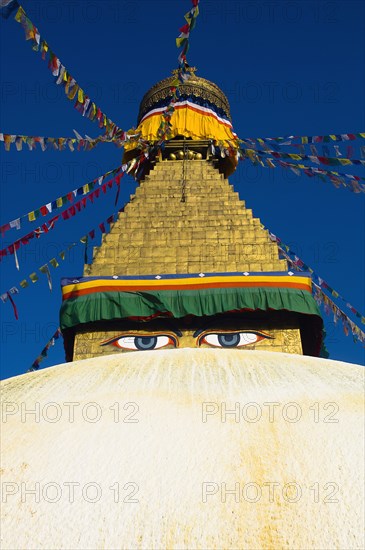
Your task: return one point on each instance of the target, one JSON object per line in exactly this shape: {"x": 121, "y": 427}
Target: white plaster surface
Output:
{"x": 311, "y": 437}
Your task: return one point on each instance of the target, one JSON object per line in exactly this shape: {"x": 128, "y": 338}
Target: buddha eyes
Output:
{"x": 141, "y": 342}
{"x": 217, "y": 339}
{"x": 231, "y": 339}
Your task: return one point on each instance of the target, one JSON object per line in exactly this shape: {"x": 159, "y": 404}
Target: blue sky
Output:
{"x": 286, "y": 67}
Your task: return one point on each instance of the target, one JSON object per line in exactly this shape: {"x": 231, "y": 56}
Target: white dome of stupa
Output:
{"x": 184, "y": 449}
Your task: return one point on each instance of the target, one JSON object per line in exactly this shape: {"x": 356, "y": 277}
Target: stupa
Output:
{"x": 186, "y": 263}
{"x": 241, "y": 439}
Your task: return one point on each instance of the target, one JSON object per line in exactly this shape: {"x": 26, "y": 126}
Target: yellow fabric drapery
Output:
{"x": 189, "y": 120}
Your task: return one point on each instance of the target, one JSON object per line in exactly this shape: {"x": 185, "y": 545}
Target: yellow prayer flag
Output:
{"x": 73, "y": 92}
{"x": 187, "y": 16}
{"x": 80, "y": 96}
{"x": 68, "y": 82}
{"x": 33, "y": 277}
{"x": 54, "y": 263}
{"x": 344, "y": 162}
{"x": 31, "y": 216}
{"x": 180, "y": 41}
{"x": 333, "y": 137}
{"x": 85, "y": 189}
{"x": 59, "y": 202}
{"x": 19, "y": 14}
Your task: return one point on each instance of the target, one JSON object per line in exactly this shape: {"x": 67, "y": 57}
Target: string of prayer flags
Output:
{"x": 296, "y": 261}
{"x": 72, "y": 210}
{"x": 183, "y": 39}
{"x": 313, "y": 158}
{"x": 288, "y": 140}
{"x": 61, "y": 143}
{"x": 329, "y": 306}
{"x": 57, "y": 144}
{"x": 36, "y": 233}
{"x": 83, "y": 103}
{"x": 350, "y": 181}
{"x": 50, "y": 207}
{"x": 327, "y": 150}
{"x": 44, "y": 352}
{"x": 33, "y": 277}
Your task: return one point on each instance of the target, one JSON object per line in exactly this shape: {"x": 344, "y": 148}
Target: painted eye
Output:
{"x": 231, "y": 339}
{"x": 141, "y": 342}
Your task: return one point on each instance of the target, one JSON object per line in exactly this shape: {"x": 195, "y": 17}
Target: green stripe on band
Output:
{"x": 107, "y": 306}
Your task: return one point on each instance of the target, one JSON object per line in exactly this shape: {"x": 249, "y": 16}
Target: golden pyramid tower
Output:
{"x": 186, "y": 254}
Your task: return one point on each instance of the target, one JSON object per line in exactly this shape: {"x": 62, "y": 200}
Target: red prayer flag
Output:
{"x": 185, "y": 29}
{"x": 14, "y": 306}
{"x": 4, "y": 228}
